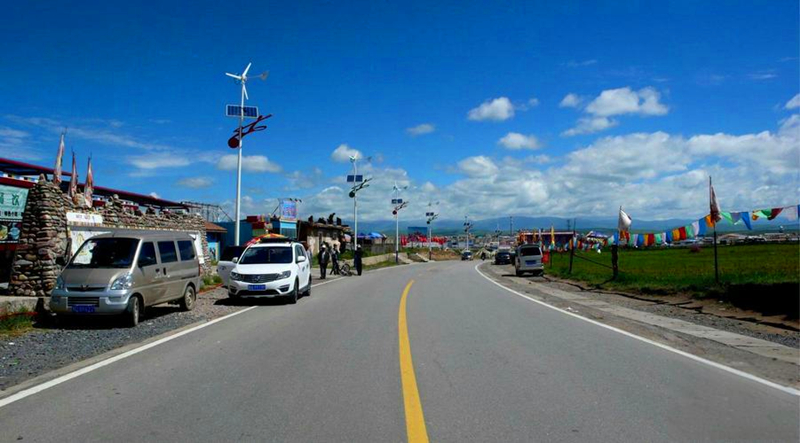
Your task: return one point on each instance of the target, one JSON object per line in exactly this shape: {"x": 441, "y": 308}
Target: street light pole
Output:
{"x": 239, "y": 173}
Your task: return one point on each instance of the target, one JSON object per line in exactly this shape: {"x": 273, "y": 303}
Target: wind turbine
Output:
{"x": 242, "y": 80}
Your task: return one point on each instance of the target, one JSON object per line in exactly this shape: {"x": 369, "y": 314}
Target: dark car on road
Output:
{"x": 502, "y": 258}
{"x": 466, "y": 255}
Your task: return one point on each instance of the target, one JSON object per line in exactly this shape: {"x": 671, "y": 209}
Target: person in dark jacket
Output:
{"x": 334, "y": 260}
{"x": 357, "y": 259}
{"x": 323, "y": 261}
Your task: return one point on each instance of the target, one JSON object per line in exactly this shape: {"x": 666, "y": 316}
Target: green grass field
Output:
{"x": 665, "y": 271}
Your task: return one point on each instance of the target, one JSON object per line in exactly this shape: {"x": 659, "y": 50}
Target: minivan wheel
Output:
{"x": 292, "y": 298}
{"x": 133, "y": 312}
{"x": 308, "y": 289}
{"x": 189, "y": 298}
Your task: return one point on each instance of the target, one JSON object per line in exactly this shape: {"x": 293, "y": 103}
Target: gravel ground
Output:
{"x": 751, "y": 329}
{"x": 50, "y": 347}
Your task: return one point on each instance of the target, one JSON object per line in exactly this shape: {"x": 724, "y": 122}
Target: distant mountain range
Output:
{"x": 489, "y": 225}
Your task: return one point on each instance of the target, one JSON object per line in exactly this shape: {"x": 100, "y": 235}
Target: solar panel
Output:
{"x": 236, "y": 111}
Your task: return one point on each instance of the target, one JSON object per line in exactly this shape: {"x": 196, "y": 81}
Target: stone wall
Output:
{"x": 44, "y": 235}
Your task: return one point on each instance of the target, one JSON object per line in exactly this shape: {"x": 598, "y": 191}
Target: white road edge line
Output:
{"x": 743, "y": 374}
{"x": 66, "y": 377}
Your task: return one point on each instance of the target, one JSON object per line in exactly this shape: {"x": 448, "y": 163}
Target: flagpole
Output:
{"x": 713, "y": 219}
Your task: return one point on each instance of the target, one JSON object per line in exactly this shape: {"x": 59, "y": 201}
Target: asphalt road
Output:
{"x": 488, "y": 366}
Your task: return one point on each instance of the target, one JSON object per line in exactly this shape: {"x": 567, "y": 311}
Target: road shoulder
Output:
{"x": 766, "y": 359}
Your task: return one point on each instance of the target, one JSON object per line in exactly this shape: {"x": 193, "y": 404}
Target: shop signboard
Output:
{"x": 84, "y": 219}
{"x": 288, "y": 210}
{"x": 12, "y": 205}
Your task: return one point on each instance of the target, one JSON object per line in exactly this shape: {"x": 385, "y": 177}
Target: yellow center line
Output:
{"x": 415, "y": 420}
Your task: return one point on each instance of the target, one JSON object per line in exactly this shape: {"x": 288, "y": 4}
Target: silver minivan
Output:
{"x": 125, "y": 271}
{"x": 529, "y": 259}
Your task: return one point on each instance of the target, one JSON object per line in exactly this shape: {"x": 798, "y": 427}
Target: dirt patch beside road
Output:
{"x": 48, "y": 347}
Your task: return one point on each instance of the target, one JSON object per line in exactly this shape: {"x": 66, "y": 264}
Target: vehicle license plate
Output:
{"x": 83, "y": 309}
{"x": 256, "y": 287}
{"x": 530, "y": 262}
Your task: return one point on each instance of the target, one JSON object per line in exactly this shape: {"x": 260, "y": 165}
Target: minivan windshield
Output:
{"x": 267, "y": 255}
{"x": 101, "y": 253}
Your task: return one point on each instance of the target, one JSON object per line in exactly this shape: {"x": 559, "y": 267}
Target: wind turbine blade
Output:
{"x": 244, "y": 88}
{"x": 244, "y": 74}
{"x": 234, "y": 76}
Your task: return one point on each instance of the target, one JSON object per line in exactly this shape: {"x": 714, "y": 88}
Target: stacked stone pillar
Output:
{"x": 43, "y": 239}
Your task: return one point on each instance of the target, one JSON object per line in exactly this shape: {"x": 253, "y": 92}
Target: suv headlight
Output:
{"x": 122, "y": 282}
{"x": 59, "y": 283}
{"x": 236, "y": 276}
{"x": 284, "y": 274}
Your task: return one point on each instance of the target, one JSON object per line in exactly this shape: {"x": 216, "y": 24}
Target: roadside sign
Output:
{"x": 236, "y": 111}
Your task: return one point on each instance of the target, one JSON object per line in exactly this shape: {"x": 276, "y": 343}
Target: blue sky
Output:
{"x": 660, "y": 96}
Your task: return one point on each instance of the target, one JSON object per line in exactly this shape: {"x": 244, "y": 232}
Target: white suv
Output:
{"x": 271, "y": 270}
{"x": 529, "y": 259}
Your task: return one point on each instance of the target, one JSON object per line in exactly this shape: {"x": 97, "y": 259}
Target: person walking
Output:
{"x": 483, "y": 255}
{"x": 357, "y": 259}
{"x": 323, "y": 262}
{"x": 335, "y": 260}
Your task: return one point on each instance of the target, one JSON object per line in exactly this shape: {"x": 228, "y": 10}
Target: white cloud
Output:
{"x": 250, "y": 163}
{"x": 626, "y": 101}
{"x": 589, "y": 125}
{"x": 425, "y": 128}
{"x": 478, "y": 166}
{"x": 515, "y": 140}
{"x": 763, "y": 75}
{"x": 154, "y": 195}
{"x": 570, "y": 101}
{"x": 6, "y": 132}
{"x": 794, "y": 103}
{"x": 16, "y": 144}
{"x": 533, "y": 101}
{"x": 158, "y": 160}
{"x": 498, "y": 109}
{"x": 343, "y": 153}
{"x": 196, "y": 182}
{"x": 611, "y": 102}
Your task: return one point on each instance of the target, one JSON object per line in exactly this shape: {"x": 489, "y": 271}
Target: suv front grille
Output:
{"x": 93, "y": 301}
{"x": 259, "y": 278}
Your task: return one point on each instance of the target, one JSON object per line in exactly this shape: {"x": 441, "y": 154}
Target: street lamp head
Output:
{"x": 352, "y": 194}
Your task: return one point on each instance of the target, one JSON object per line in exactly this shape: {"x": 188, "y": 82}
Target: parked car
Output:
{"x": 125, "y": 272}
{"x": 502, "y": 258}
{"x": 271, "y": 270}
{"x": 528, "y": 259}
{"x": 226, "y": 263}
{"x": 466, "y": 255}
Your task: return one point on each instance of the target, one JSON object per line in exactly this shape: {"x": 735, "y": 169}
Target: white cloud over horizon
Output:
{"x": 655, "y": 175}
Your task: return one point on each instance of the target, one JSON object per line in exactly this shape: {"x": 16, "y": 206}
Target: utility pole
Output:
{"x": 358, "y": 184}
{"x": 573, "y": 244}
{"x": 431, "y": 216}
{"x": 511, "y": 226}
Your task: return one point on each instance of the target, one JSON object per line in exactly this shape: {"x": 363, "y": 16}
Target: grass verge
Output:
{"x": 764, "y": 277}
{"x": 16, "y": 323}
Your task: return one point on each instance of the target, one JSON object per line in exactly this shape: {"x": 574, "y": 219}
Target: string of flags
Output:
{"x": 701, "y": 226}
